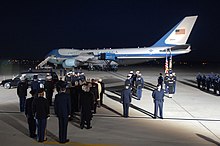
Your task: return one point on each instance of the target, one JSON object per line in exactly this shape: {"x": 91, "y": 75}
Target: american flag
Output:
{"x": 166, "y": 64}
{"x": 170, "y": 64}
{"x": 180, "y": 31}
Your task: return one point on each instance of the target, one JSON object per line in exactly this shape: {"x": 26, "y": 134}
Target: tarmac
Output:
{"x": 191, "y": 117}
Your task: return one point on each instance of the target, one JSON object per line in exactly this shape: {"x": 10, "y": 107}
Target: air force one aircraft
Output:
{"x": 175, "y": 40}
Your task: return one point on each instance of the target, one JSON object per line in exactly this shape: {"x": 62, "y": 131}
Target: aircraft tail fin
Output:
{"x": 179, "y": 34}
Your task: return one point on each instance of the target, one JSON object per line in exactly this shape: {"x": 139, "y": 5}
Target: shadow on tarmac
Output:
{"x": 9, "y": 112}
{"x": 13, "y": 121}
{"x": 131, "y": 105}
{"x": 188, "y": 84}
{"x": 194, "y": 119}
{"x": 15, "y": 124}
{"x": 208, "y": 139}
{"x": 110, "y": 109}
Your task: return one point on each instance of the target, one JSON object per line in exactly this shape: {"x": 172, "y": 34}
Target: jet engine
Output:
{"x": 69, "y": 63}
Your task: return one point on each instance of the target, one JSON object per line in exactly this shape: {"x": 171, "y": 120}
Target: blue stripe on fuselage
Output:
{"x": 55, "y": 53}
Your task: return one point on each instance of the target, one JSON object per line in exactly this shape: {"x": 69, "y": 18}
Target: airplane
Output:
{"x": 174, "y": 40}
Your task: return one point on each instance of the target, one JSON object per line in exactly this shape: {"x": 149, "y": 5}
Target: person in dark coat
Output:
{"x": 62, "y": 107}
{"x": 30, "y": 116}
{"x": 35, "y": 85}
{"x": 94, "y": 90}
{"x": 126, "y": 100}
{"x": 22, "y": 93}
{"x": 86, "y": 104}
{"x": 41, "y": 112}
{"x": 160, "y": 80}
{"x": 58, "y": 84}
{"x": 158, "y": 96}
{"x": 49, "y": 88}
{"x": 74, "y": 95}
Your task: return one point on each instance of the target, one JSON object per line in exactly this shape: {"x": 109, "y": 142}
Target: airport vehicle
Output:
{"x": 9, "y": 83}
{"x": 173, "y": 41}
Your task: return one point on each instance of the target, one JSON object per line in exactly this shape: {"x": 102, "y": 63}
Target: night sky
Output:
{"x": 30, "y": 29}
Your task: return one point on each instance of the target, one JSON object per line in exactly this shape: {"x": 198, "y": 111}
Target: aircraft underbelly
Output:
{"x": 132, "y": 61}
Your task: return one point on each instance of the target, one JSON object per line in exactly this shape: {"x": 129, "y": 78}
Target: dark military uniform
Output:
{"x": 35, "y": 85}
{"x": 158, "y": 97}
{"x": 22, "y": 93}
{"x": 160, "y": 80}
{"x": 59, "y": 84}
{"x": 126, "y": 100}
{"x": 41, "y": 111}
{"x": 30, "y": 116}
{"x": 139, "y": 86}
{"x": 62, "y": 107}
{"x": 49, "y": 88}
{"x": 199, "y": 80}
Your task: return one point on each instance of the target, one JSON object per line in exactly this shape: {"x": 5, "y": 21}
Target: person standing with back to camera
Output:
{"x": 158, "y": 96}
{"x": 62, "y": 108}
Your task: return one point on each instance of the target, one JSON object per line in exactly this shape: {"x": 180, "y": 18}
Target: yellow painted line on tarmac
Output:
{"x": 74, "y": 144}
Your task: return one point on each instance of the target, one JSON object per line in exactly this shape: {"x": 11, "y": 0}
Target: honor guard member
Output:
{"x": 41, "y": 112}
{"x": 49, "y": 88}
{"x": 30, "y": 116}
{"x": 203, "y": 82}
{"x": 86, "y": 103}
{"x": 199, "y": 79}
{"x": 215, "y": 84}
{"x": 171, "y": 84}
{"x": 126, "y": 100}
{"x": 208, "y": 82}
{"x": 22, "y": 92}
{"x": 128, "y": 81}
{"x": 166, "y": 82}
{"x": 174, "y": 81}
{"x": 62, "y": 107}
{"x": 158, "y": 96}
{"x": 219, "y": 85}
{"x": 139, "y": 85}
{"x": 132, "y": 78}
{"x": 68, "y": 77}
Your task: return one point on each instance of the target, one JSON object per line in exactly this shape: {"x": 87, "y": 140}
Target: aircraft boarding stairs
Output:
{"x": 40, "y": 65}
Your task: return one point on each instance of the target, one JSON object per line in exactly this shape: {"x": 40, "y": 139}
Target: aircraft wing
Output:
{"x": 81, "y": 59}
{"x": 84, "y": 57}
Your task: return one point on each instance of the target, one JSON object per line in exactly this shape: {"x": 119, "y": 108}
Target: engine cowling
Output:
{"x": 69, "y": 63}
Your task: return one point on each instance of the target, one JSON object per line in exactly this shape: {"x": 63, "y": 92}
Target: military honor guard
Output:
{"x": 30, "y": 116}
{"x": 41, "y": 112}
{"x": 126, "y": 100}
